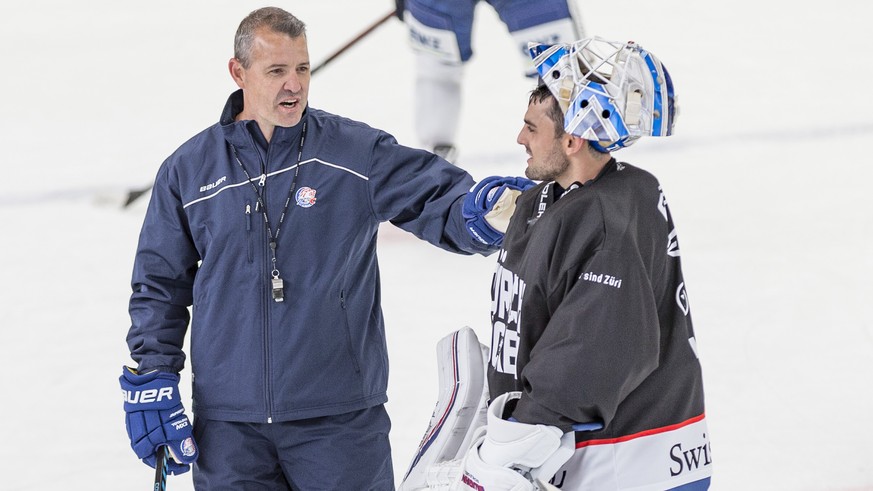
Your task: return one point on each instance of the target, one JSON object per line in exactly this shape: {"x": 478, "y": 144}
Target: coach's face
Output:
{"x": 276, "y": 82}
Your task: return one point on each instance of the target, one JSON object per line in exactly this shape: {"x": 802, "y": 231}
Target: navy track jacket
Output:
{"x": 204, "y": 243}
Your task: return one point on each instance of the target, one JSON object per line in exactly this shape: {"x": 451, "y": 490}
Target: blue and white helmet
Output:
{"x": 611, "y": 93}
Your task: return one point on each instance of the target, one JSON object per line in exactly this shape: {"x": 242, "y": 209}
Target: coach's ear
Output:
{"x": 237, "y": 72}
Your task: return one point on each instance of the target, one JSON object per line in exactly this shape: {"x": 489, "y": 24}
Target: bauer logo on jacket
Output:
{"x": 213, "y": 185}
{"x": 305, "y": 197}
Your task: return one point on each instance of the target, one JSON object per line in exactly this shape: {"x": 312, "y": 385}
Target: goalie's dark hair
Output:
{"x": 542, "y": 94}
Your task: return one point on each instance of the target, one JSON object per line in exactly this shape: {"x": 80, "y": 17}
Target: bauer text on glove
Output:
{"x": 155, "y": 416}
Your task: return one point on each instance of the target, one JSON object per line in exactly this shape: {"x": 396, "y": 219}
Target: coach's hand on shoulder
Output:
{"x": 155, "y": 416}
{"x": 489, "y": 206}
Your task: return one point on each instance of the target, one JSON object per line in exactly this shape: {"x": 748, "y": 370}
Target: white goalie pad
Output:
{"x": 460, "y": 409}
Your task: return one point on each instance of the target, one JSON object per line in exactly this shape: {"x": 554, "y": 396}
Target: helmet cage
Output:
{"x": 611, "y": 93}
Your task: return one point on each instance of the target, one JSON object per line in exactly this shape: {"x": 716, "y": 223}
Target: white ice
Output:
{"x": 766, "y": 176}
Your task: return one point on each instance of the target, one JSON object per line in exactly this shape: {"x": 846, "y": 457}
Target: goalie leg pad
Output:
{"x": 460, "y": 407}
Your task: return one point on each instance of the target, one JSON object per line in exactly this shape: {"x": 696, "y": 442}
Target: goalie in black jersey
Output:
{"x": 594, "y": 378}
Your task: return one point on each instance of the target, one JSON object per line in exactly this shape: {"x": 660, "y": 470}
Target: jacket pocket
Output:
{"x": 249, "y": 232}
{"x": 349, "y": 338}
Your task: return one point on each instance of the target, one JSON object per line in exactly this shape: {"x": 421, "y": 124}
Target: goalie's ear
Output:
{"x": 573, "y": 145}
{"x": 460, "y": 408}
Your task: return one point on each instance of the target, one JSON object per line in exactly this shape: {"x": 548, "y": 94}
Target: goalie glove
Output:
{"x": 514, "y": 456}
{"x": 155, "y": 416}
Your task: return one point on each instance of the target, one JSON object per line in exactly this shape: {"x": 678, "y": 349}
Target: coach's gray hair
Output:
{"x": 272, "y": 18}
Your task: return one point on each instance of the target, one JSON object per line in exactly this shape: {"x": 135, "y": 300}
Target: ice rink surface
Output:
{"x": 767, "y": 177}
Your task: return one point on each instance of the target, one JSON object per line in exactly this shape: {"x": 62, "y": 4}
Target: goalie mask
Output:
{"x": 611, "y": 93}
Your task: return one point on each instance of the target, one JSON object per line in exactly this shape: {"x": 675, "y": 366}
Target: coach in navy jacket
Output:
{"x": 316, "y": 347}
{"x": 204, "y": 242}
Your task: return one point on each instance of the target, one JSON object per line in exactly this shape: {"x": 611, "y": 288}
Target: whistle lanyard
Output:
{"x": 276, "y": 281}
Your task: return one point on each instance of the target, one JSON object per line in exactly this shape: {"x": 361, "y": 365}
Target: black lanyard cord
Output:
{"x": 274, "y": 238}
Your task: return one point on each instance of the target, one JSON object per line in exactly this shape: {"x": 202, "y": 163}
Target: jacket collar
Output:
{"x": 243, "y": 133}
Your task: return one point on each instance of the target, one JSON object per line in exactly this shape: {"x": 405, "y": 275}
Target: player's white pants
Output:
{"x": 437, "y": 100}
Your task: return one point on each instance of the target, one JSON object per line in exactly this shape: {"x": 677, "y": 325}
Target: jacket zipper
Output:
{"x": 265, "y": 302}
{"x": 268, "y": 386}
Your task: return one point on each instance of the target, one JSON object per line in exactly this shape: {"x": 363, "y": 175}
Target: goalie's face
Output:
{"x": 276, "y": 82}
{"x": 547, "y": 160}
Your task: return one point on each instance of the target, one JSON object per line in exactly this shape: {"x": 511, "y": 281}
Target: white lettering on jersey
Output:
{"x": 672, "y": 244}
{"x": 682, "y": 298}
{"x": 602, "y": 278}
{"x": 693, "y": 342}
{"x": 504, "y": 349}
{"x": 544, "y": 194}
{"x": 506, "y": 299}
{"x": 662, "y": 203}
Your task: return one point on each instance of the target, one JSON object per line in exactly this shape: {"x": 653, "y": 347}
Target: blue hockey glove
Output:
{"x": 489, "y": 205}
{"x": 155, "y": 416}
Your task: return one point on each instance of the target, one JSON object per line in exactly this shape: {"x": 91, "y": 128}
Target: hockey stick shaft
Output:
{"x": 161, "y": 469}
{"x": 134, "y": 195}
{"x": 372, "y": 27}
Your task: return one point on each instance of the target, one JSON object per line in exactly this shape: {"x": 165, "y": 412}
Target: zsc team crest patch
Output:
{"x": 305, "y": 197}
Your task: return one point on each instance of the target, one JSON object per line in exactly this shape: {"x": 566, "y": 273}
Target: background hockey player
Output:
{"x": 441, "y": 37}
{"x": 266, "y": 224}
{"x": 593, "y": 371}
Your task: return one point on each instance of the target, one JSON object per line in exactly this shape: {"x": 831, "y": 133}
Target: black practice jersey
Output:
{"x": 590, "y": 315}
